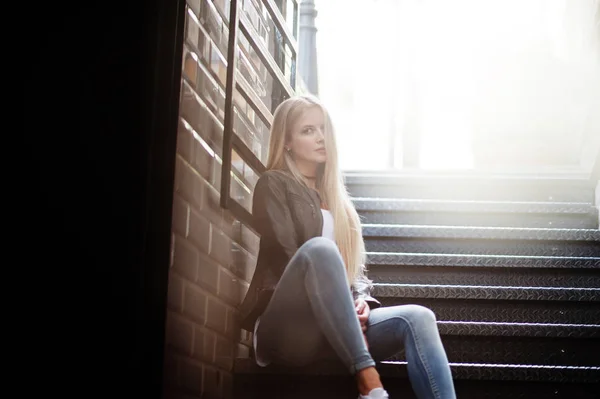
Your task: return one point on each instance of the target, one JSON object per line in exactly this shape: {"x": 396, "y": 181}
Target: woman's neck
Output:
{"x": 309, "y": 170}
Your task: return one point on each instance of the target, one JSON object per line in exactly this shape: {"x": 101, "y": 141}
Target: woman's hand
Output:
{"x": 362, "y": 310}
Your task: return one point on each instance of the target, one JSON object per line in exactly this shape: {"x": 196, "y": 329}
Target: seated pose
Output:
{"x": 309, "y": 296}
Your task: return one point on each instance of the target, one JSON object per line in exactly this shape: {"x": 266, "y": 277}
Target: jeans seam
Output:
{"x": 432, "y": 384}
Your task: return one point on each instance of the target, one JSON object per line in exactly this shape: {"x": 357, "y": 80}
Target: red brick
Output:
{"x": 220, "y": 248}
{"x": 229, "y": 288}
{"x": 236, "y": 232}
{"x": 175, "y": 292}
{"x": 240, "y": 194}
{"x": 194, "y": 303}
{"x": 211, "y": 206}
{"x": 208, "y": 274}
{"x": 204, "y": 345}
{"x": 185, "y": 142}
{"x": 191, "y": 186}
{"x": 243, "y": 264}
{"x": 198, "y": 348}
{"x": 215, "y": 179}
{"x": 179, "y": 333}
{"x": 191, "y": 376}
{"x": 180, "y": 216}
{"x": 210, "y": 341}
{"x": 224, "y": 353}
{"x": 203, "y": 160}
{"x": 250, "y": 240}
{"x": 185, "y": 259}
{"x": 243, "y": 352}
{"x": 232, "y": 327}
{"x": 216, "y": 317}
{"x": 199, "y": 231}
{"x": 212, "y": 383}
{"x": 245, "y": 337}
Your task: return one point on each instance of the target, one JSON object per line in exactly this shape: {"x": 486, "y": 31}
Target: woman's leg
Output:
{"x": 312, "y": 305}
{"x": 413, "y": 328}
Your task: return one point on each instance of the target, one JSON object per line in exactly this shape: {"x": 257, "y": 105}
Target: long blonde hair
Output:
{"x": 330, "y": 183}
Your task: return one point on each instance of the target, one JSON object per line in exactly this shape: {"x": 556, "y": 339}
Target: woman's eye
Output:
{"x": 308, "y": 130}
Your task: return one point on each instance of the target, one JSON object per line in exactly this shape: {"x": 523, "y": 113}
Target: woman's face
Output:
{"x": 307, "y": 141}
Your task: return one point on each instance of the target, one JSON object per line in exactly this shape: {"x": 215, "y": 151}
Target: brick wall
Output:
{"x": 213, "y": 255}
{"x": 212, "y": 259}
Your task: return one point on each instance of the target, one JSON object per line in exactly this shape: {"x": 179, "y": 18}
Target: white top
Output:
{"x": 327, "y": 232}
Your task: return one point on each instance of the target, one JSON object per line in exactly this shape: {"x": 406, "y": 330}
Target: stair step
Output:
{"x": 488, "y": 233}
{"x": 460, "y": 371}
{"x": 489, "y": 261}
{"x": 431, "y": 205}
{"x": 499, "y": 329}
{"x": 505, "y": 372}
{"x": 477, "y": 213}
{"x": 470, "y": 187}
{"x": 488, "y": 270}
{"x": 482, "y": 240}
{"x": 486, "y": 292}
{"x": 519, "y": 350}
{"x": 512, "y": 311}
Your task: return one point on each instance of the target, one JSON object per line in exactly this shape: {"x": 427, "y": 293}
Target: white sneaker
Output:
{"x": 376, "y": 393}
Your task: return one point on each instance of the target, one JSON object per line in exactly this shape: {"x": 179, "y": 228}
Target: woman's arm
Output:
{"x": 274, "y": 222}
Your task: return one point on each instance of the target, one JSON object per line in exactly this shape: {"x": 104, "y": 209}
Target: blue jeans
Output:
{"x": 311, "y": 316}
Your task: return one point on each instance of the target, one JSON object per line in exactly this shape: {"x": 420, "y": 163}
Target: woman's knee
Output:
{"x": 420, "y": 315}
{"x": 318, "y": 248}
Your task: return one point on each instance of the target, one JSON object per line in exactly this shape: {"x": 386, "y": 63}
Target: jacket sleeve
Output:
{"x": 362, "y": 289}
{"x": 274, "y": 221}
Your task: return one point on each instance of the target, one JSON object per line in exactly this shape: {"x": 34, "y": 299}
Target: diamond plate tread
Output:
{"x": 483, "y": 187}
{"x": 486, "y": 292}
{"x": 429, "y": 205}
{"x": 465, "y": 260}
{"x": 519, "y": 350}
{"x": 487, "y": 233}
{"x": 483, "y": 194}
{"x": 536, "y": 220}
{"x": 470, "y": 179}
{"x": 511, "y": 277}
{"x": 508, "y": 311}
{"x": 541, "y": 330}
{"x": 460, "y": 371}
{"x": 505, "y": 372}
{"x": 483, "y": 247}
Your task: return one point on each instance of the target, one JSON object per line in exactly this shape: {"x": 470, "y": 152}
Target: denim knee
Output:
{"x": 420, "y": 315}
{"x": 320, "y": 248}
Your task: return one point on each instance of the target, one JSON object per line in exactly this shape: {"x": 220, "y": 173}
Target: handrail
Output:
{"x": 229, "y": 88}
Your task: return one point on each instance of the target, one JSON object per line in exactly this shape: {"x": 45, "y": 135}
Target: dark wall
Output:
{"x": 101, "y": 99}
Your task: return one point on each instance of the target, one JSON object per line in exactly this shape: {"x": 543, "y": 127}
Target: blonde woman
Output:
{"x": 309, "y": 296}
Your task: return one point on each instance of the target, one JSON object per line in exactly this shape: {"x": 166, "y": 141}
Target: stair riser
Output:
{"x": 506, "y": 311}
{"x": 520, "y": 350}
{"x": 477, "y": 193}
{"x": 344, "y": 387}
{"x": 573, "y": 221}
{"x": 482, "y": 246}
{"x": 490, "y": 276}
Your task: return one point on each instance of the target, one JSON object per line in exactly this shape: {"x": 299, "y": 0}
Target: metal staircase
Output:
{"x": 510, "y": 265}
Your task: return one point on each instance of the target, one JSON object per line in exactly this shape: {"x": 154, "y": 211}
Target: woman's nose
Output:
{"x": 320, "y": 135}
